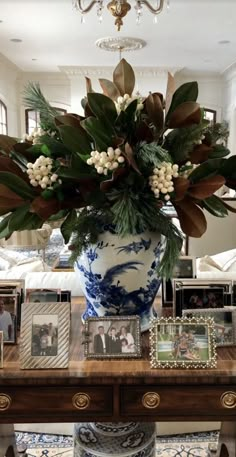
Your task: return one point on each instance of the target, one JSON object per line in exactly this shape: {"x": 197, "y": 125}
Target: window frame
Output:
{"x": 28, "y": 110}
{"x": 2, "y": 104}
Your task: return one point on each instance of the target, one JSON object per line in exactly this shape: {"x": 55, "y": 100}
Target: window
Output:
{"x": 3, "y": 118}
{"x": 210, "y": 115}
{"x": 32, "y": 119}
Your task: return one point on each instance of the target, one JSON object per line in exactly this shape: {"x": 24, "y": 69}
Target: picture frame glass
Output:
{"x": 113, "y": 337}
{"x": 8, "y": 317}
{"x": 44, "y": 335}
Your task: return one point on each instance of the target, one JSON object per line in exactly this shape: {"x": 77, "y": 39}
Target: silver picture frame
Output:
{"x": 225, "y": 323}
{"x": 182, "y": 343}
{"x": 45, "y": 335}
{"x": 180, "y": 285}
{"x": 112, "y": 337}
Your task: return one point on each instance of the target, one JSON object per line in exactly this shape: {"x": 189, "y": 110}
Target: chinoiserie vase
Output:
{"x": 114, "y": 440}
{"x": 118, "y": 275}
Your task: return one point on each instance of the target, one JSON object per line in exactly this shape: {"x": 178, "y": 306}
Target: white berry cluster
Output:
{"x": 123, "y": 102}
{"x": 187, "y": 169}
{"x": 106, "y": 160}
{"x": 40, "y": 173}
{"x": 200, "y": 140}
{"x": 36, "y": 134}
{"x": 161, "y": 182}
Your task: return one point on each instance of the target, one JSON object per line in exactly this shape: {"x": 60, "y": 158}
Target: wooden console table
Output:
{"x": 126, "y": 390}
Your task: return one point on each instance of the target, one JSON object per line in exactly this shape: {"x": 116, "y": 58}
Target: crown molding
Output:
{"x": 230, "y": 72}
{"x": 72, "y": 71}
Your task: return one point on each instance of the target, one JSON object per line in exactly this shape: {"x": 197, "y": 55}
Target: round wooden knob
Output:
{"x": 5, "y": 402}
{"x": 151, "y": 400}
{"x": 81, "y": 400}
{"x": 228, "y": 400}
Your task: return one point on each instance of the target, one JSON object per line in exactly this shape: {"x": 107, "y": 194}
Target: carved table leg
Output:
{"x": 7, "y": 441}
{"x": 227, "y": 440}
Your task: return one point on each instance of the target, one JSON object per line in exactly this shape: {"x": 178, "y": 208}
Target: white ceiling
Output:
{"x": 186, "y": 36}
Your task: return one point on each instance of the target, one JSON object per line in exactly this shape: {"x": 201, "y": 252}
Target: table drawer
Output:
{"x": 177, "y": 400}
{"x": 83, "y": 399}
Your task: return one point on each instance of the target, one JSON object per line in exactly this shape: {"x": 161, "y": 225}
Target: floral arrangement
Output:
{"x": 119, "y": 164}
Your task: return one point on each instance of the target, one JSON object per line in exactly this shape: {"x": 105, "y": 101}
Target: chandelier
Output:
{"x": 119, "y": 9}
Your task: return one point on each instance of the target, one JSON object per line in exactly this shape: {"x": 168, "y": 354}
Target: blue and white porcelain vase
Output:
{"x": 118, "y": 275}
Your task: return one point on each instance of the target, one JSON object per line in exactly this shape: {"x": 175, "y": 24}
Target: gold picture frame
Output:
{"x": 182, "y": 343}
{"x": 45, "y": 335}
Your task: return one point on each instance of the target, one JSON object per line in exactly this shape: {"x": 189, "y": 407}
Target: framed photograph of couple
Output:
{"x": 112, "y": 337}
{"x": 8, "y": 317}
{"x": 225, "y": 323}
{"x": 182, "y": 343}
{"x": 45, "y": 335}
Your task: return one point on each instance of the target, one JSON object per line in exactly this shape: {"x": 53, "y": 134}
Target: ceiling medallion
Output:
{"x": 120, "y": 44}
{"x": 119, "y": 8}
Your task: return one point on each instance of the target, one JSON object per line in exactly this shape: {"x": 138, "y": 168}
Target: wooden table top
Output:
{"x": 100, "y": 372}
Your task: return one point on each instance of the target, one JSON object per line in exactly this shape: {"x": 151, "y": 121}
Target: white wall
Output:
{"x": 8, "y": 94}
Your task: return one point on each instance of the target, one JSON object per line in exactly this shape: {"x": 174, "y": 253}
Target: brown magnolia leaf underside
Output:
{"x": 89, "y": 88}
{"x": 8, "y": 199}
{"x": 45, "y": 208}
{"x": 109, "y": 88}
{"x": 7, "y": 143}
{"x": 181, "y": 186}
{"x": 200, "y": 153}
{"x": 206, "y": 187}
{"x": 7, "y": 165}
{"x": 170, "y": 89}
{"x": 188, "y": 113}
{"x": 68, "y": 119}
{"x": 105, "y": 186}
{"x": 191, "y": 218}
{"x": 154, "y": 108}
{"x": 124, "y": 78}
{"x": 129, "y": 155}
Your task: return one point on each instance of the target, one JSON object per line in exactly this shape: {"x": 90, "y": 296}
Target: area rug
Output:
{"x": 184, "y": 445}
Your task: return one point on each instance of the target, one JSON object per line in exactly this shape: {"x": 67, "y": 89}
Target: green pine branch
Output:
{"x": 34, "y": 99}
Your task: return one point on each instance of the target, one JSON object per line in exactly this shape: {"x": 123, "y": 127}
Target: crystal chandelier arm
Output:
{"x": 85, "y": 10}
{"x": 150, "y": 7}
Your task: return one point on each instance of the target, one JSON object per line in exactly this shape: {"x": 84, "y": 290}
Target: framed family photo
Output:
{"x": 112, "y": 337}
{"x": 200, "y": 294}
{"x": 8, "y": 317}
{"x": 182, "y": 342}
{"x": 42, "y": 295}
{"x": 225, "y": 323}
{"x": 45, "y": 333}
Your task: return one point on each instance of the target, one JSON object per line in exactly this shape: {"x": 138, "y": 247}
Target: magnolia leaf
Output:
{"x": 45, "y": 208}
{"x": 191, "y": 218}
{"x": 181, "y": 186}
{"x": 188, "y": 92}
{"x": 4, "y": 230}
{"x": 144, "y": 133}
{"x": 200, "y": 153}
{"x": 206, "y": 187}
{"x": 101, "y": 135}
{"x": 68, "y": 224}
{"x": 154, "y": 109}
{"x": 219, "y": 150}
{"x": 7, "y": 143}
{"x": 129, "y": 155}
{"x": 117, "y": 173}
{"x": 188, "y": 113}
{"x": 229, "y": 168}
{"x": 9, "y": 200}
{"x": 19, "y": 219}
{"x": 7, "y": 165}
{"x": 69, "y": 119}
{"x": 76, "y": 140}
{"x": 209, "y": 168}
{"x": 89, "y": 88}
{"x": 109, "y": 88}
{"x": 103, "y": 108}
{"x": 229, "y": 207}
{"x": 124, "y": 78}
{"x": 17, "y": 185}
{"x": 215, "y": 206}
{"x": 170, "y": 89}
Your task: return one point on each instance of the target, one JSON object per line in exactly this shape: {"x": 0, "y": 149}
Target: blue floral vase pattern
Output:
{"x": 118, "y": 275}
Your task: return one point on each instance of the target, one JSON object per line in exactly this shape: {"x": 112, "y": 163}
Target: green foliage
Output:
{"x": 152, "y": 154}
{"x": 215, "y": 206}
{"x": 181, "y": 141}
{"x": 68, "y": 225}
{"x": 185, "y": 93}
{"x": 76, "y": 140}
{"x": 209, "y": 168}
{"x": 17, "y": 185}
{"x": 34, "y": 99}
